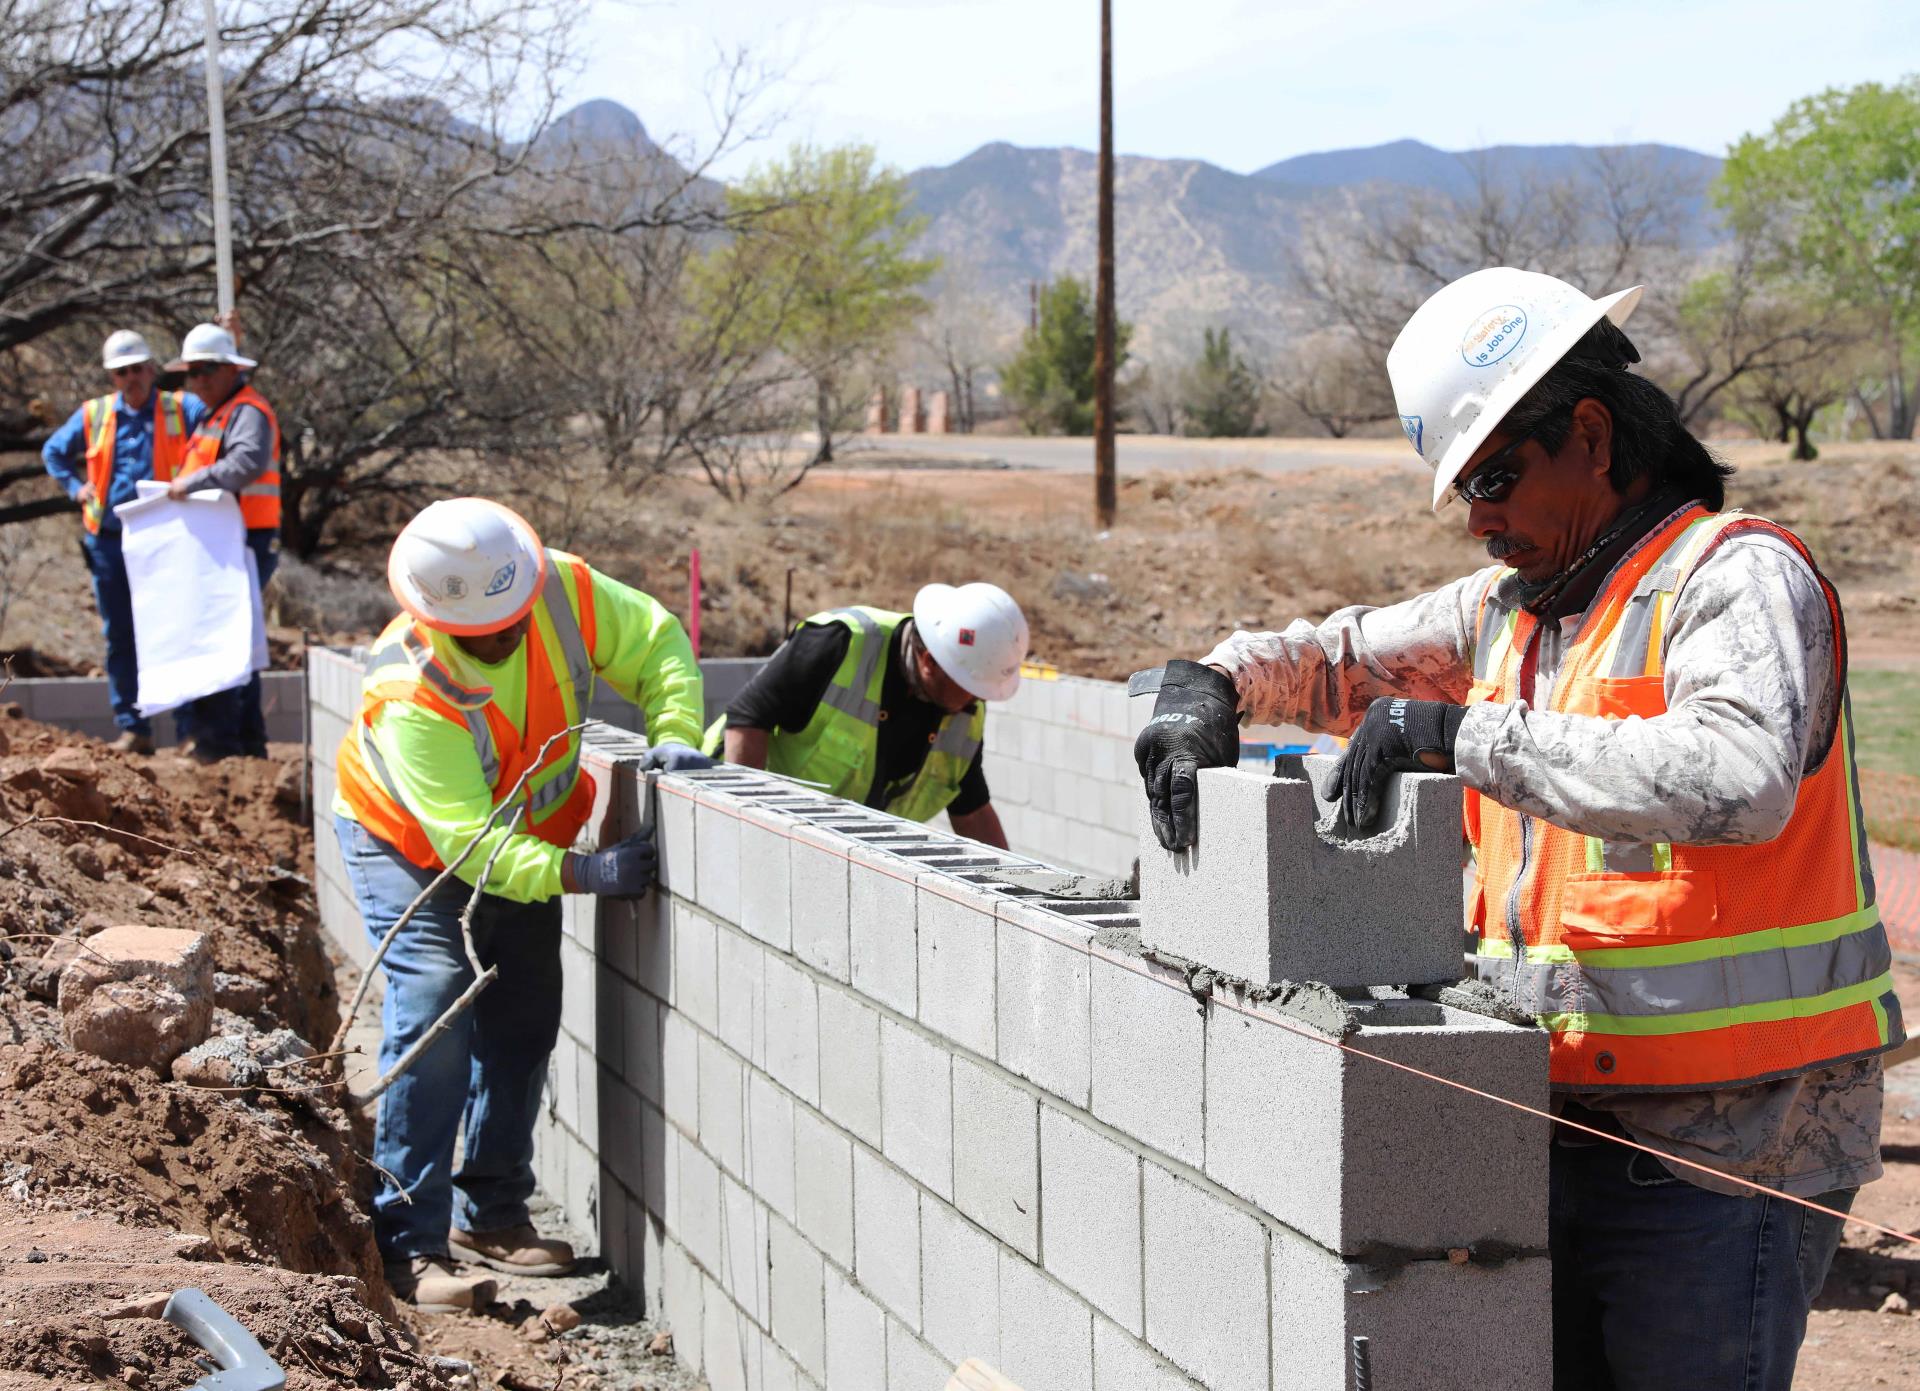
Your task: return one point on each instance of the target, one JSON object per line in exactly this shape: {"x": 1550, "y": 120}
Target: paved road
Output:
{"x": 1134, "y": 453}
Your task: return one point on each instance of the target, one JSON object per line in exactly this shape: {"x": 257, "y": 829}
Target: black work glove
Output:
{"x": 1395, "y": 732}
{"x": 1195, "y": 725}
{"x": 674, "y": 758}
{"x": 623, "y": 870}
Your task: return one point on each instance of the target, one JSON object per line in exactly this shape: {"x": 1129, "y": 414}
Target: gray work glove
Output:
{"x": 624, "y": 870}
{"x": 674, "y": 758}
{"x": 1195, "y": 725}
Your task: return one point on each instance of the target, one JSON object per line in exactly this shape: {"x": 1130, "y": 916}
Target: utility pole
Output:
{"x": 1105, "y": 493}
{"x": 217, "y": 157}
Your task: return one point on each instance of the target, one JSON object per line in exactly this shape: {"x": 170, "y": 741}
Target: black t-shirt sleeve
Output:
{"x": 785, "y": 692}
{"x": 973, "y": 793}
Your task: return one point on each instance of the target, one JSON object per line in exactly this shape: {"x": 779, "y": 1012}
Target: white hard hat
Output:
{"x": 209, "y": 343}
{"x": 466, "y": 566}
{"x": 124, "y": 348}
{"x": 976, "y": 633}
{"x": 1469, "y": 354}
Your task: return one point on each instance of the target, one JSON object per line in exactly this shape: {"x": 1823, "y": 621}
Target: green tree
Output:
{"x": 1830, "y": 193}
{"x": 825, "y": 250}
{"x": 1051, "y": 378}
{"x": 1221, "y": 394}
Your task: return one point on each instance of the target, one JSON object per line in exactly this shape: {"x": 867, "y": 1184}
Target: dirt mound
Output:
{"x": 261, "y": 1184}
{"x": 219, "y": 849}
{"x": 64, "y": 1275}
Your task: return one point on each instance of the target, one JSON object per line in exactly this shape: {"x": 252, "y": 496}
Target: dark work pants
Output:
{"x": 1660, "y": 1284}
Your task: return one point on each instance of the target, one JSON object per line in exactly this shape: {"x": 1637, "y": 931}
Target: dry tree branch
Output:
{"x": 379, "y": 953}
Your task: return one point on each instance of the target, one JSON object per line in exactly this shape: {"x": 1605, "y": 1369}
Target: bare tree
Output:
{"x": 966, "y": 330}
{"x": 1335, "y": 381}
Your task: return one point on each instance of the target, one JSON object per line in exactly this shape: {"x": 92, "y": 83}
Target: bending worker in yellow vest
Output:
{"x": 888, "y": 708}
{"x": 111, "y": 444}
{"x": 1645, "y": 696}
{"x": 499, "y": 649}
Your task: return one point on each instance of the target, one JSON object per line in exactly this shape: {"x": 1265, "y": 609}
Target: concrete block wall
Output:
{"x": 845, "y": 1111}
{"x": 903, "y": 1115}
{"x": 83, "y": 703}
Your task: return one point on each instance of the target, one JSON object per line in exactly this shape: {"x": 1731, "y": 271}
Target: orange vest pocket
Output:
{"x": 1639, "y": 910}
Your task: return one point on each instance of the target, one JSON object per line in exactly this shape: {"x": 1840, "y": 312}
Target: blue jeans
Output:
{"x": 1658, "y": 1283}
{"x": 231, "y": 722}
{"x": 108, "y": 566}
{"x": 483, "y": 1076}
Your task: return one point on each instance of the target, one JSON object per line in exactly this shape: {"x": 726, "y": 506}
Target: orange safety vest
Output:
{"x": 260, "y": 499}
{"x": 560, "y": 676}
{"x": 1661, "y": 966}
{"x": 97, "y": 420}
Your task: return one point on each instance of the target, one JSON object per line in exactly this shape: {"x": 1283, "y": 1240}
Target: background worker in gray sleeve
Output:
{"x": 235, "y": 449}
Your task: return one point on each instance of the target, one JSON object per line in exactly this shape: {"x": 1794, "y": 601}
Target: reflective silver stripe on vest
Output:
{"x": 1493, "y": 626}
{"x": 1720, "y": 982}
{"x": 573, "y": 647}
{"x": 1627, "y": 857}
{"x": 853, "y": 700}
{"x": 956, "y": 737}
{"x": 472, "y": 705}
{"x": 261, "y": 490}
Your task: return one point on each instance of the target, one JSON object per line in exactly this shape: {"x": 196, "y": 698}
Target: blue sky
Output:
{"x": 1243, "y": 84}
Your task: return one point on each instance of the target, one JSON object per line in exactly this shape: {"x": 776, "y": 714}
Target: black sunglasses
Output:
{"x": 203, "y": 369}
{"x": 1499, "y": 471}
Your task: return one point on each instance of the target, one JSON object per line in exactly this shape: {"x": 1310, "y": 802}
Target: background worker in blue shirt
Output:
{"x": 110, "y": 444}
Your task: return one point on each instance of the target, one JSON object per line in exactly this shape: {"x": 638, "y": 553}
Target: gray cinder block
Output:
{"x": 1046, "y": 1335}
{"x": 742, "y": 993}
{"x": 880, "y": 906}
{"x": 797, "y": 1294}
{"x": 956, "y": 926}
{"x": 959, "y": 1284}
{"x": 695, "y": 974}
{"x": 674, "y": 831}
{"x": 911, "y": 1364}
{"x": 1147, "y": 1040}
{"x": 916, "y": 1120}
{"x": 818, "y": 892}
{"x": 823, "y": 1185}
{"x": 723, "y": 1106}
{"x": 1121, "y": 1364}
{"x": 1206, "y": 1284}
{"x": 766, "y": 909}
{"x": 996, "y": 1155}
{"x": 886, "y": 1234}
{"x": 1090, "y": 1215}
{"x": 717, "y": 857}
{"x": 770, "y": 1144}
{"x": 856, "y": 1336}
{"x": 792, "y": 1029}
{"x": 1425, "y": 1321}
{"x": 1044, "y": 999}
{"x": 850, "y": 1085}
{"x": 1356, "y": 1154}
{"x": 680, "y": 1298}
{"x": 680, "y": 1070}
{"x": 1272, "y": 892}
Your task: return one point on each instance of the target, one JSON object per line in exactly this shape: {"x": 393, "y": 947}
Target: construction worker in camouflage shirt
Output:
{"x": 1645, "y": 697}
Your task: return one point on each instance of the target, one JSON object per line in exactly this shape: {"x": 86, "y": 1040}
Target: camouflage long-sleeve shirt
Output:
{"x": 1750, "y": 704}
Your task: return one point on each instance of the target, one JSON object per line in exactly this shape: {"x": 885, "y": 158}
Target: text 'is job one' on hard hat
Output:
{"x": 976, "y": 633}
{"x": 1469, "y": 354}
{"x": 467, "y": 565}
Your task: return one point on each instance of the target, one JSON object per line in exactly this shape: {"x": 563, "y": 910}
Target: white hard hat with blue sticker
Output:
{"x": 1469, "y": 354}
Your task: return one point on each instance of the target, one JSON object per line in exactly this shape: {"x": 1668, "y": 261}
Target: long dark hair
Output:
{"x": 1649, "y": 439}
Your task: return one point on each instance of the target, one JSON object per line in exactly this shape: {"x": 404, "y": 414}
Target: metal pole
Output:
{"x": 1105, "y": 493}
{"x": 217, "y": 158}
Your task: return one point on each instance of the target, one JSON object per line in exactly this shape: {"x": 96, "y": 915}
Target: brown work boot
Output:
{"x": 130, "y": 742}
{"x": 433, "y": 1286}
{"x": 514, "y": 1250}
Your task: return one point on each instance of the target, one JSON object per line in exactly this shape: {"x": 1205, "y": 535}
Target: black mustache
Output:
{"x": 1500, "y": 547}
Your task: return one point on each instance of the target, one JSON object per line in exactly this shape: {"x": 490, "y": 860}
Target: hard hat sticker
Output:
{"x": 502, "y": 579}
{"x": 1411, "y": 424}
{"x": 454, "y": 587}
{"x": 966, "y": 637}
{"x": 1493, "y": 334}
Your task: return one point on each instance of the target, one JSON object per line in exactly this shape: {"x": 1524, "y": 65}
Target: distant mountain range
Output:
{"x": 1196, "y": 244}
